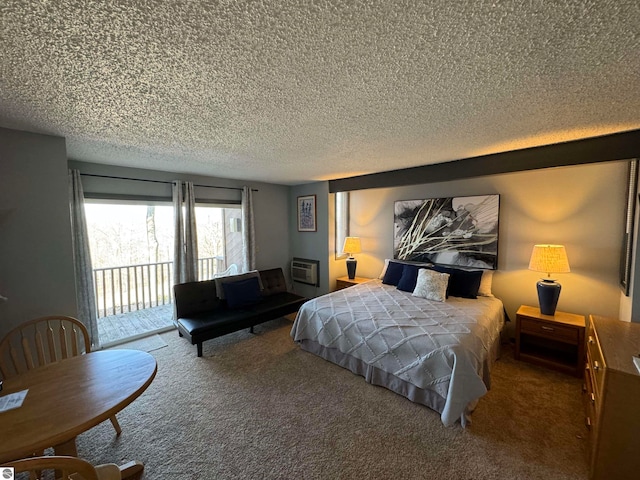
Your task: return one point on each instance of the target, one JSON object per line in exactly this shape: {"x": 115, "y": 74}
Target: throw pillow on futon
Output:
{"x": 242, "y": 293}
{"x": 234, "y": 278}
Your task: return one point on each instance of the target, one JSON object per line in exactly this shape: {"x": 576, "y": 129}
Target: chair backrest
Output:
{"x": 65, "y": 467}
{"x": 42, "y": 341}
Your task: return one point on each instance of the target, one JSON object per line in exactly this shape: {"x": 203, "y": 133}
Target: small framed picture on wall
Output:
{"x": 307, "y": 213}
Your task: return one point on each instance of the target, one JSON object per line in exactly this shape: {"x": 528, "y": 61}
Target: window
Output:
{"x": 342, "y": 222}
{"x": 219, "y": 240}
{"x": 131, "y": 244}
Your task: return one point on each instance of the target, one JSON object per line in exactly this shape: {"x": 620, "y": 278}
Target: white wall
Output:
{"x": 36, "y": 259}
{"x": 581, "y": 207}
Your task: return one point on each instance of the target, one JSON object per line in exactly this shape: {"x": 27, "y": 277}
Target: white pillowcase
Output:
{"x": 384, "y": 269}
{"x": 485, "y": 284}
{"x": 431, "y": 285}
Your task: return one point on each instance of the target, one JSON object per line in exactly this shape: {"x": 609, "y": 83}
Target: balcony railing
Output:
{"x": 135, "y": 287}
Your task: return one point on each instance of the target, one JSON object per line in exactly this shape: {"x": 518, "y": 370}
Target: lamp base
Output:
{"x": 548, "y": 295}
{"x": 351, "y": 267}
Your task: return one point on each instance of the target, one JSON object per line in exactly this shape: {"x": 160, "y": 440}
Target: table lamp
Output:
{"x": 549, "y": 259}
{"x": 351, "y": 246}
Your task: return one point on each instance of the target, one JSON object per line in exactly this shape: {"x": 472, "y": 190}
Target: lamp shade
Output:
{"x": 352, "y": 245}
{"x": 549, "y": 259}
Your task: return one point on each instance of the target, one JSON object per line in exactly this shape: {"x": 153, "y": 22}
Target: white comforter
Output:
{"x": 440, "y": 346}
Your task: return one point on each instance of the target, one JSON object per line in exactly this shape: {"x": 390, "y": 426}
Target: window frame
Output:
{"x": 342, "y": 221}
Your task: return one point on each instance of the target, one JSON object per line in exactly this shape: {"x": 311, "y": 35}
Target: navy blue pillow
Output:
{"x": 242, "y": 293}
{"x": 393, "y": 274}
{"x": 462, "y": 283}
{"x": 409, "y": 278}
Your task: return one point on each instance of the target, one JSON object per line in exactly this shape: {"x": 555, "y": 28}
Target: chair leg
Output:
{"x": 116, "y": 425}
{"x": 132, "y": 470}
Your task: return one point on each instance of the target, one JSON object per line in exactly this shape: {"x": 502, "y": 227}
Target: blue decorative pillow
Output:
{"x": 407, "y": 282}
{"x": 393, "y": 274}
{"x": 242, "y": 293}
{"x": 462, "y": 283}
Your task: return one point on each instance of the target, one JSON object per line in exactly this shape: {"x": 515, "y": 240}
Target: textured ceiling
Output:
{"x": 290, "y": 91}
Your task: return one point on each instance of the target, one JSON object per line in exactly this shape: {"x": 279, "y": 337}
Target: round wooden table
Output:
{"x": 69, "y": 397}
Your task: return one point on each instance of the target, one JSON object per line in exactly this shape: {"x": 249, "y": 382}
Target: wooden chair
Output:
{"x": 72, "y": 468}
{"x": 41, "y": 341}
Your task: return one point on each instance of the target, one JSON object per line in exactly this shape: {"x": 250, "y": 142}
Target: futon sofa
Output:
{"x": 212, "y": 308}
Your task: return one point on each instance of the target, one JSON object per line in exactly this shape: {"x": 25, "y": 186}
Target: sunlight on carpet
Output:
{"x": 146, "y": 344}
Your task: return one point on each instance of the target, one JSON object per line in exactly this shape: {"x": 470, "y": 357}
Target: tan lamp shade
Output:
{"x": 549, "y": 259}
{"x": 352, "y": 245}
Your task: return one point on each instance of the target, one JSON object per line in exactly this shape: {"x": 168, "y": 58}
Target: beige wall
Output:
{"x": 581, "y": 207}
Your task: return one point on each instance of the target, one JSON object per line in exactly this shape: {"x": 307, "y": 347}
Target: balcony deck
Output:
{"x": 124, "y": 327}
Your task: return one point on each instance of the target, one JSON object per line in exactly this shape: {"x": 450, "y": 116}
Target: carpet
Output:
{"x": 258, "y": 407}
{"x": 146, "y": 344}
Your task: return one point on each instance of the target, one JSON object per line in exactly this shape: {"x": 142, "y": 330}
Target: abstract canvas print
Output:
{"x": 460, "y": 231}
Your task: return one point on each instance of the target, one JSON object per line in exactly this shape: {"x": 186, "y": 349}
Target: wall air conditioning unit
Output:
{"x": 305, "y": 271}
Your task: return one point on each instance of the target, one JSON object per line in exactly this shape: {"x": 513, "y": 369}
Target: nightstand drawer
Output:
{"x": 344, "y": 282}
{"x": 549, "y": 330}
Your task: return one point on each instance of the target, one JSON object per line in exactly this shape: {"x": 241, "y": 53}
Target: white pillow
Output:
{"x": 431, "y": 285}
{"x": 234, "y": 278}
{"x": 485, "y": 284}
{"x": 384, "y": 269}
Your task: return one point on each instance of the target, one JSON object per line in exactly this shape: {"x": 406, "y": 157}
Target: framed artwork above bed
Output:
{"x": 461, "y": 231}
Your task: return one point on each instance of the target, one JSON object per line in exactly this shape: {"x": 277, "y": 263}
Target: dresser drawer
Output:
{"x": 591, "y": 400}
{"x": 595, "y": 361}
{"x": 549, "y": 330}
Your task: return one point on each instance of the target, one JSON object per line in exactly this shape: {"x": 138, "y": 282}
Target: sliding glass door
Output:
{"x": 132, "y": 254}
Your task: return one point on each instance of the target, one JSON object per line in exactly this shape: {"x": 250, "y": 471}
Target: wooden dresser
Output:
{"x": 612, "y": 398}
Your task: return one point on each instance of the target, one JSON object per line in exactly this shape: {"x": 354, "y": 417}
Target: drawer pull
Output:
{"x": 591, "y": 340}
{"x": 596, "y": 365}
{"x": 548, "y": 329}
{"x": 593, "y": 398}
{"x": 588, "y": 422}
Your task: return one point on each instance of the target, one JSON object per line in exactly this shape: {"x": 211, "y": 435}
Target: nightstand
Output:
{"x": 344, "y": 282}
{"x": 551, "y": 341}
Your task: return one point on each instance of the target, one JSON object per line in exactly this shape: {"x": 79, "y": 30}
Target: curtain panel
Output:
{"x": 248, "y": 230}
{"x": 85, "y": 291}
{"x": 185, "y": 254}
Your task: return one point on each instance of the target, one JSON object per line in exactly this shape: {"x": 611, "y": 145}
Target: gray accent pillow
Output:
{"x": 431, "y": 285}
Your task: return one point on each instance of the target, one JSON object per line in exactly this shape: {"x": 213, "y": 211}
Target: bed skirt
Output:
{"x": 375, "y": 376}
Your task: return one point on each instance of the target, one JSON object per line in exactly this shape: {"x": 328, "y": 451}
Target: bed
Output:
{"x": 436, "y": 353}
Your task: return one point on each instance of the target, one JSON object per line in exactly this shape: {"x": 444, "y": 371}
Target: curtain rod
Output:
{"x": 159, "y": 181}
